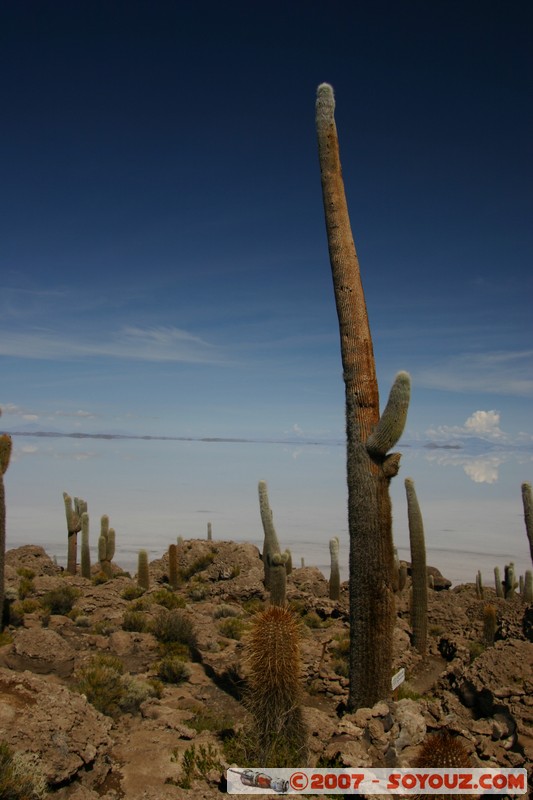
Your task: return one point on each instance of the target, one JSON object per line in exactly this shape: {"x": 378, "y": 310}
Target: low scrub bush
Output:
{"x": 173, "y": 625}
{"x": 61, "y": 600}
{"x": 226, "y": 611}
{"x": 167, "y": 599}
{"x": 136, "y": 621}
{"x": 172, "y": 669}
{"x": 232, "y": 628}
{"x": 111, "y": 692}
{"x": 20, "y": 777}
{"x": 199, "y": 564}
{"x": 132, "y": 592}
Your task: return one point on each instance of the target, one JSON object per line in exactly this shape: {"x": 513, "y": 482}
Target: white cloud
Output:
{"x": 145, "y": 344}
{"x": 18, "y": 411}
{"x": 496, "y": 372}
{"x": 484, "y": 423}
{"x": 481, "y": 424}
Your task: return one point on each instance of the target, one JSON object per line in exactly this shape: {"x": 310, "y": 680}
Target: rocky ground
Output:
{"x": 174, "y": 739}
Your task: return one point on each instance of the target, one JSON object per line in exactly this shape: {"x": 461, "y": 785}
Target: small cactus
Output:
{"x": 209, "y": 532}
{"x": 274, "y": 692}
{"x": 510, "y": 583}
{"x": 180, "y": 541}
{"x": 479, "y": 585}
{"x": 85, "y": 550}
{"x": 443, "y": 751}
{"x": 143, "y": 574}
{"x": 335, "y": 577}
{"x": 173, "y": 566}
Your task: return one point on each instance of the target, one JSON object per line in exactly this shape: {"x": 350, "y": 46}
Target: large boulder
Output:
{"x": 39, "y": 650}
{"x": 61, "y": 730}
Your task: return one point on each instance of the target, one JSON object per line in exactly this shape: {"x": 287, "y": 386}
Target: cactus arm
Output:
{"x": 392, "y": 421}
{"x": 270, "y": 543}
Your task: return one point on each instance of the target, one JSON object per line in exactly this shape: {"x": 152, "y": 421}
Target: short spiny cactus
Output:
{"x": 335, "y": 576}
{"x": 443, "y": 751}
{"x": 274, "y": 691}
{"x": 490, "y": 623}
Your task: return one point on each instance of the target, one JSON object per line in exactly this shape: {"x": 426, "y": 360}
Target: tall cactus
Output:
{"x": 528, "y": 586}
{"x": 173, "y": 566}
{"x": 106, "y": 546}
{"x": 274, "y": 690}
{"x": 510, "y": 582}
{"x": 498, "y": 585}
{"x": 143, "y": 573}
{"x": 419, "y": 605}
{"x": 527, "y": 501}
{"x": 335, "y": 576}
{"x": 270, "y": 542}
{"x": 73, "y": 512}
{"x": 370, "y": 466}
{"x": 5, "y": 455}
{"x": 209, "y": 532}
{"x": 85, "y": 550}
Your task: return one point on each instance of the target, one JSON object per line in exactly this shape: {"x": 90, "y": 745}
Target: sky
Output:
{"x": 163, "y": 257}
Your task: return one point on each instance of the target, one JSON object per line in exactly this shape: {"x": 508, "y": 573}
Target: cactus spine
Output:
{"x": 73, "y": 514}
{"x": 443, "y": 751}
{"x": 5, "y": 455}
{"x": 173, "y": 566}
{"x": 527, "y": 501}
{"x": 270, "y": 543}
{"x": 143, "y": 573}
{"x": 419, "y": 607}
{"x": 335, "y": 576}
{"x": 278, "y": 579}
{"x": 85, "y": 550}
{"x": 106, "y": 546}
{"x": 369, "y": 465}
{"x": 274, "y": 693}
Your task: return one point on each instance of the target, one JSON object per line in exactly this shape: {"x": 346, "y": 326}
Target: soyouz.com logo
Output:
{"x": 378, "y": 781}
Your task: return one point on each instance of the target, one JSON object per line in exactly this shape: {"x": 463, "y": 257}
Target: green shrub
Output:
{"x": 173, "y": 670}
{"x": 207, "y": 720}
{"x": 21, "y": 607}
{"x": 132, "y": 592}
{"x": 100, "y": 578}
{"x": 61, "y": 600}
{"x": 341, "y": 667}
{"x": 24, "y": 572}
{"x": 20, "y": 777}
{"x": 226, "y": 611}
{"x": 101, "y": 683}
{"x": 167, "y": 599}
{"x": 83, "y": 621}
{"x": 135, "y": 621}
{"x": 312, "y": 620}
{"x": 196, "y": 765}
{"x": 199, "y": 564}
{"x": 25, "y": 588}
{"x": 134, "y": 692}
{"x": 254, "y": 605}
{"x": 232, "y": 627}
{"x": 197, "y": 593}
{"x": 104, "y": 627}
{"x": 173, "y": 625}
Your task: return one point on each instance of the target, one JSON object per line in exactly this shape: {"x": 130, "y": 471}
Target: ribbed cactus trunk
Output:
{"x": 278, "y": 579}
{"x": 85, "y": 549}
{"x": 173, "y": 566}
{"x": 5, "y": 455}
{"x": 419, "y": 601}
{"x": 106, "y": 546}
{"x": 527, "y": 501}
{"x": 143, "y": 572}
{"x": 73, "y": 513}
{"x": 369, "y": 467}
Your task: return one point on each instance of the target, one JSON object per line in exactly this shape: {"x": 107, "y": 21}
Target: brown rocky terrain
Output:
{"x": 169, "y": 740}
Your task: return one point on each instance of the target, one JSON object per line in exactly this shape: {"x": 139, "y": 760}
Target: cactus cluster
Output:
{"x": 106, "y": 546}
{"x": 73, "y": 512}
{"x": 273, "y": 693}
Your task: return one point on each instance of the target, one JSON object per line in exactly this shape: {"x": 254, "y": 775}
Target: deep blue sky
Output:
{"x": 163, "y": 259}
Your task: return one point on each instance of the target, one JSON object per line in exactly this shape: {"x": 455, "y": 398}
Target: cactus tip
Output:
{"x": 325, "y": 102}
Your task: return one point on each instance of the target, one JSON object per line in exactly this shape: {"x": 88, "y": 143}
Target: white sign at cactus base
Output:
{"x": 398, "y": 678}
